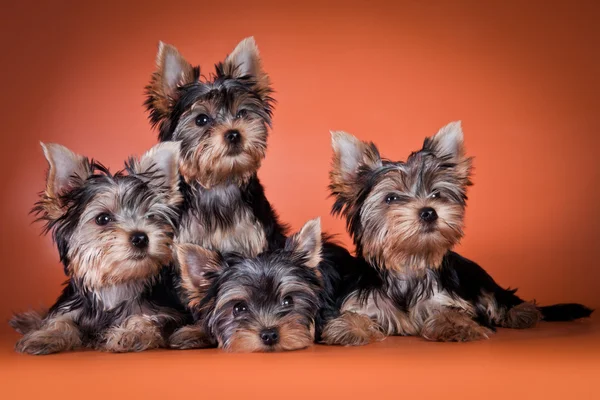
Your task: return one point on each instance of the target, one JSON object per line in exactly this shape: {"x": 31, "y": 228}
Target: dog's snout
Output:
{"x": 428, "y": 214}
{"x": 139, "y": 240}
{"x": 233, "y": 136}
{"x": 269, "y": 336}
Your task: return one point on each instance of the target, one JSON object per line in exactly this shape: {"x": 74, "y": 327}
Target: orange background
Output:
{"x": 522, "y": 76}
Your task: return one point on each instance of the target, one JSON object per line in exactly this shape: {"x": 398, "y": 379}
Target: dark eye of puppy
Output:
{"x": 435, "y": 195}
{"x": 287, "y": 301}
{"x": 239, "y": 309}
{"x": 392, "y": 198}
{"x": 103, "y": 219}
{"x": 202, "y": 120}
{"x": 241, "y": 114}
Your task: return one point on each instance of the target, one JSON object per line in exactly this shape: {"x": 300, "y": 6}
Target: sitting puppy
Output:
{"x": 114, "y": 235}
{"x": 405, "y": 217}
{"x": 266, "y": 303}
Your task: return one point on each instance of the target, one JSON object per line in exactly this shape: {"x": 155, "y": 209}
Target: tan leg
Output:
{"x": 56, "y": 334}
{"x": 190, "y": 337}
{"x": 453, "y": 326}
{"x": 136, "y": 333}
{"x": 351, "y": 329}
{"x": 522, "y": 316}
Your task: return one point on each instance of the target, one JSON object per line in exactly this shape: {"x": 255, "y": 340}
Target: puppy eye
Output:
{"x": 392, "y": 198}
{"x": 241, "y": 114}
{"x": 435, "y": 195}
{"x": 202, "y": 120}
{"x": 151, "y": 217}
{"x": 104, "y": 219}
{"x": 239, "y": 309}
{"x": 287, "y": 301}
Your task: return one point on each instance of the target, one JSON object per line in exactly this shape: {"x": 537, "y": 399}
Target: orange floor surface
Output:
{"x": 555, "y": 360}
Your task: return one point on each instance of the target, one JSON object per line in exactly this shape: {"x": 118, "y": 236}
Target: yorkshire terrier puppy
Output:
{"x": 222, "y": 123}
{"x": 261, "y": 304}
{"x": 114, "y": 234}
{"x": 405, "y": 217}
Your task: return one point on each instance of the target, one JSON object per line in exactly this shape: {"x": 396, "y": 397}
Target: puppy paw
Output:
{"x": 351, "y": 329}
{"x": 522, "y": 316}
{"x": 55, "y": 338}
{"x": 137, "y": 333}
{"x": 453, "y": 326}
{"x": 190, "y": 337}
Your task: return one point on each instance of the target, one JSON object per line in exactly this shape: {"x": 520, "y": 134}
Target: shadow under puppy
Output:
{"x": 222, "y": 123}
{"x": 405, "y": 217}
{"x": 114, "y": 235}
{"x": 266, "y": 303}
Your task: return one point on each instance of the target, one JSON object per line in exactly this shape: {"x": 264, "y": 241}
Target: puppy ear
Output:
{"x": 448, "y": 143}
{"x": 244, "y": 60}
{"x": 66, "y": 171}
{"x": 199, "y": 268}
{"x": 351, "y": 157}
{"x": 306, "y": 244}
{"x": 172, "y": 72}
{"x": 159, "y": 166}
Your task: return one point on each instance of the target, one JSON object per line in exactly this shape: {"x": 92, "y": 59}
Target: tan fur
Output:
{"x": 522, "y": 316}
{"x": 64, "y": 169}
{"x": 163, "y": 86}
{"x": 244, "y": 341}
{"x": 395, "y": 235}
{"x": 308, "y": 242}
{"x": 28, "y": 321}
{"x": 136, "y": 333}
{"x": 245, "y": 60}
{"x": 211, "y": 164}
{"x": 351, "y": 329}
{"x": 190, "y": 337}
{"x": 195, "y": 263}
{"x": 453, "y": 326}
{"x": 56, "y": 335}
{"x": 350, "y": 154}
{"x": 246, "y": 237}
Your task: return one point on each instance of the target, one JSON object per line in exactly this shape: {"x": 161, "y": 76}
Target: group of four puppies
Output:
{"x": 181, "y": 248}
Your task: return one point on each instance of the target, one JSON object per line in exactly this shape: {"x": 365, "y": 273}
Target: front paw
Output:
{"x": 190, "y": 337}
{"x": 48, "y": 342}
{"x": 136, "y": 334}
{"x": 351, "y": 329}
{"x": 453, "y": 326}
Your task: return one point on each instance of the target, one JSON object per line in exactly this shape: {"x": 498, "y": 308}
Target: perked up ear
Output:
{"x": 351, "y": 156}
{"x": 199, "y": 268}
{"x": 306, "y": 244}
{"x": 66, "y": 171}
{"x": 244, "y": 60}
{"x": 448, "y": 143}
{"x": 172, "y": 71}
{"x": 159, "y": 166}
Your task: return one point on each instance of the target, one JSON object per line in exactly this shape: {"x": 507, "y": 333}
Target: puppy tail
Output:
{"x": 565, "y": 312}
{"x": 27, "y": 321}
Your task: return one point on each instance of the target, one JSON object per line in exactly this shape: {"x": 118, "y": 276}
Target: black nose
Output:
{"x": 233, "y": 136}
{"x": 428, "y": 214}
{"x": 139, "y": 240}
{"x": 269, "y": 336}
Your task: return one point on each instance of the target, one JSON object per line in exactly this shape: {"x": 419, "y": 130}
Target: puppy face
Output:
{"x": 268, "y": 303}
{"x": 221, "y": 120}
{"x": 403, "y": 214}
{"x": 111, "y": 229}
